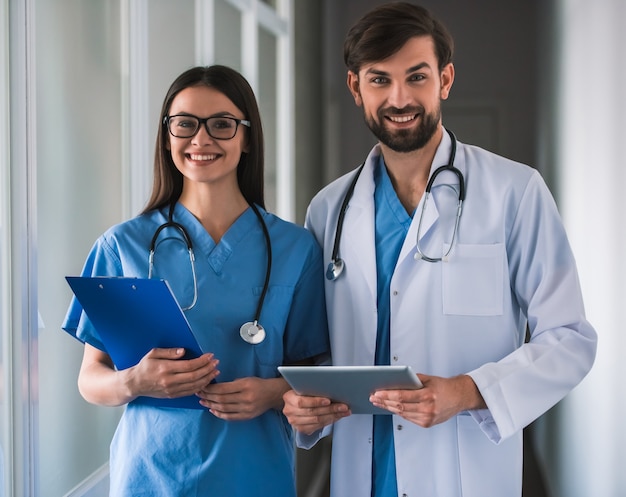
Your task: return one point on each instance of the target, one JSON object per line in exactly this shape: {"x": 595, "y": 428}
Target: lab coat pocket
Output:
{"x": 473, "y": 280}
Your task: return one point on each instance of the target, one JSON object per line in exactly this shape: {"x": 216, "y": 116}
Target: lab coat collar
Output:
{"x": 358, "y": 233}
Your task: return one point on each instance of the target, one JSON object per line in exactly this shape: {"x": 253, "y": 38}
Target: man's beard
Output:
{"x": 405, "y": 140}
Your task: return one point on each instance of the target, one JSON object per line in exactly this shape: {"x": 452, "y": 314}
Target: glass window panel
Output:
{"x": 5, "y": 426}
{"x": 171, "y": 34}
{"x": 267, "y": 95}
{"x": 79, "y": 162}
{"x": 227, "y": 35}
{"x": 4, "y": 335}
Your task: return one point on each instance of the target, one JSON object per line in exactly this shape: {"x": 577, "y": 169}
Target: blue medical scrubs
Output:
{"x": 189, "y": 452}
{"x": 392, "y": 226}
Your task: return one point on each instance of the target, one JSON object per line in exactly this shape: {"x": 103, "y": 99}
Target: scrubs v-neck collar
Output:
{"x": 218, "y": 253}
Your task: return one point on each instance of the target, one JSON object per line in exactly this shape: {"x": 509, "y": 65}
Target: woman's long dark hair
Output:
{"x": 168, "y": 181}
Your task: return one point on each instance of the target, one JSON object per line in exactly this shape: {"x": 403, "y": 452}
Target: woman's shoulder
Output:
{"x": 134, "y": 232}
{"x": 138, "y": 224}
{"x": 288, "y": 231}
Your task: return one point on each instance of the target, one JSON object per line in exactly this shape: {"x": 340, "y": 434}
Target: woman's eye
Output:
{"x": 222, "y": 124}
{"x": 185, "y": 123}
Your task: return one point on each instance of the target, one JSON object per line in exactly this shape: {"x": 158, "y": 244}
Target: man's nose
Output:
{"x": 399, "y": 96}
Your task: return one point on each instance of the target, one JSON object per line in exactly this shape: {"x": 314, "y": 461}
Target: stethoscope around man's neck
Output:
{"x": 337, "y": 265}
{"x": 252, "y": 331}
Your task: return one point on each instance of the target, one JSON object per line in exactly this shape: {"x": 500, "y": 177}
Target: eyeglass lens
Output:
{"x": 222, "y": 128}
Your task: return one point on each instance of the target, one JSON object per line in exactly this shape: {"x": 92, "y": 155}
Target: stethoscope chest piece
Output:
{"x": 252, "y": 332}
{"x": 335, "y": 268}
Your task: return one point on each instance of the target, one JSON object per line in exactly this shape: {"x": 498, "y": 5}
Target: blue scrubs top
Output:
{"x": 189, "y": 452}
{"x": 392, "y": 225}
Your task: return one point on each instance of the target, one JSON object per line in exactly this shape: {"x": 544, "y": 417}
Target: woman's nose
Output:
{"x": 202, "y": 136}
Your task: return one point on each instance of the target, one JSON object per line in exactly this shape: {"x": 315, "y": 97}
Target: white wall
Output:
{"x": 591, "y": 176}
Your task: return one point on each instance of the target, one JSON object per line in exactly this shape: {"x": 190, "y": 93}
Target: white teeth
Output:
{"x": 203, "y": 157}
{"x": 401, "y": 119}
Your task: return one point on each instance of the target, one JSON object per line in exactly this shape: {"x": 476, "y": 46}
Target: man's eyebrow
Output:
{"x": 410, "y": 70}
{"x": 376, "y": 72}
{"x": 417, "y": 67}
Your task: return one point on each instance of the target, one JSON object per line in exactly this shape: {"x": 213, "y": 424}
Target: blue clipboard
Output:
{"x": 133, "y": 316}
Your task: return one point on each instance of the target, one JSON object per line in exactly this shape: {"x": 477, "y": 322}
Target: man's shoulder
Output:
{"x": 475, "y": 156}
{"x": 334, "y": 191}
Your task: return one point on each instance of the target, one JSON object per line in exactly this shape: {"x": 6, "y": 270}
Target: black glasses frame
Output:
{"x": 205, "y": 121}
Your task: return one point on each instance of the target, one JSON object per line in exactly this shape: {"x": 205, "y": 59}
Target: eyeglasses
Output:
{"x": 220, "y": 128}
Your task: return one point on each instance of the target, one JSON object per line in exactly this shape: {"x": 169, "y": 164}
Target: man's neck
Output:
{"x": 409, "y": 171}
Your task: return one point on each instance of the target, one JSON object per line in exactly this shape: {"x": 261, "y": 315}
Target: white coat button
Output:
{"x": 369, "y": 440}
{"x": 395, "y": 358}
{"x": 395, "y": 292}
{"x": 400, "y": 427}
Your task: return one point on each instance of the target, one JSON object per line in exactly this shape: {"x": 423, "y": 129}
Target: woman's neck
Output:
{"x": 216, "y": 208}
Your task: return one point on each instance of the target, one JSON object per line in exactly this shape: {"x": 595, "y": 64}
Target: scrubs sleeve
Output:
{"x": 562, "y": 346}
{"x": 101, "y": 261}
{"x": 306, "y": 333}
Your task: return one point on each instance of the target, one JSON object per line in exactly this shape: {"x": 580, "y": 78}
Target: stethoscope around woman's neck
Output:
{"x": 252, "y": 331}
{"x": 337, "y": 265}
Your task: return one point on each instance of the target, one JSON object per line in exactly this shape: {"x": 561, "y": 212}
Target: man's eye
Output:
{"x": 379, "y": 80}
{"x": 416, "y": 77}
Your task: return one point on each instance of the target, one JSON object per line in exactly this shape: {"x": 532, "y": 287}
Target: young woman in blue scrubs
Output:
{"x": 238, "y": 442}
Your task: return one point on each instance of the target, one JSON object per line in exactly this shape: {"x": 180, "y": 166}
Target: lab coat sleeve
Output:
{"x": 562, "y": 347}
{"x": 308, "y": 441}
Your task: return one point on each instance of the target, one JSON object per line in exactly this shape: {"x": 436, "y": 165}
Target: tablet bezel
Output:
{"x": 351, "y": 385}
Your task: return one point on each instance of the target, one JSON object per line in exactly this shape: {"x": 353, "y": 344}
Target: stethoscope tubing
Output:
{"x": 268, "y": 269}
{"x": 252, "y": 332}
{"x": 170, "y": 223}
{"x": 336, "y": 265}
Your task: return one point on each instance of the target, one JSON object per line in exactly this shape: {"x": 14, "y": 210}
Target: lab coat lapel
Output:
{"x": 358, "y": 242}
{"x": 430, "y": 217}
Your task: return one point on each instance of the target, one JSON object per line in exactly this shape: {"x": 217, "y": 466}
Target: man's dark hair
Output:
{"x": 384, "y": 30}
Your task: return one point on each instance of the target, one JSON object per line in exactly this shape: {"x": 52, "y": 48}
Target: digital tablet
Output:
{"x": 351, "y": 385}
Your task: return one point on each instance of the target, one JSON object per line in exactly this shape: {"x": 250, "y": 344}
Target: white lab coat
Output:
{"x": 511, "y": 263}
